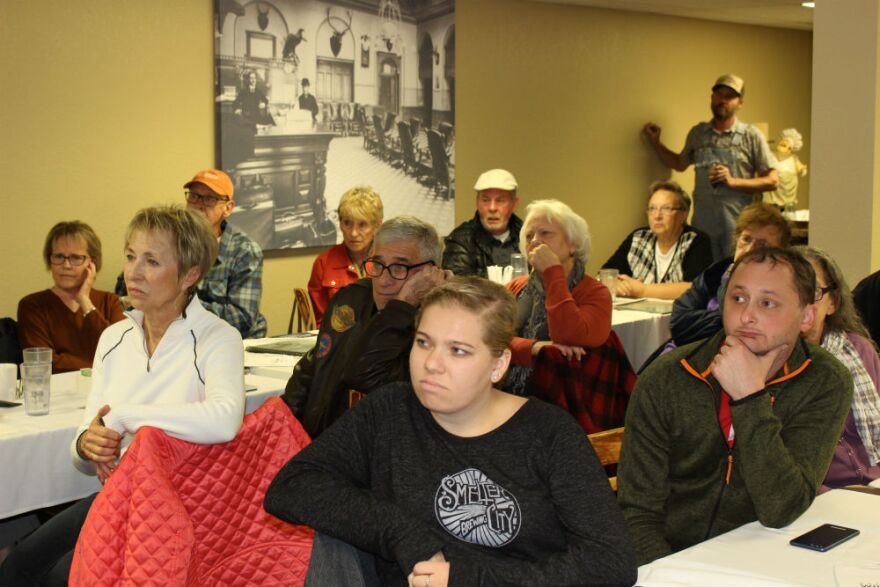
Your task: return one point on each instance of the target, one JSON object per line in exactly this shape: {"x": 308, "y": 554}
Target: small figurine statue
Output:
{"x": 789, "y": 168}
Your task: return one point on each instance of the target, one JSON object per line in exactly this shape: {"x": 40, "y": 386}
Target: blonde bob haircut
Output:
{"x": 490, "y": 302}
{"x": 75, "y": 230}
{"x": 574, "y": 227}
{"x": 191, "y": 236}
{"x": 361, "y": 202}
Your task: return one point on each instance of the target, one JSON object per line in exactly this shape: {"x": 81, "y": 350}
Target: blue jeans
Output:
{"x": 43, "y": 558}
{"x": 335, "y": 563}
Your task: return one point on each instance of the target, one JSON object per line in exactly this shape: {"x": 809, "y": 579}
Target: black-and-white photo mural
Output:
{"x": 316, "y": 97}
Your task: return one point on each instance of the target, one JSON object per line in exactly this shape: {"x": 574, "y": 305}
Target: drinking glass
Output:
{"x": 520, "y": 265}
{"x": 36, "y": 381}
{"x": 608, "y": 278}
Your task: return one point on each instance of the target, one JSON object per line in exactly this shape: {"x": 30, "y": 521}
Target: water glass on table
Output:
{"x": 37, "y": 355}
{"x": 36, "y": 381}
{"x": 520, "y": 265}
{"x": 608, "y": 278}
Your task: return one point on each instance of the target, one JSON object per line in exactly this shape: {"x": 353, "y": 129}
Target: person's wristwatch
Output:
{"x": 89, "y": 311}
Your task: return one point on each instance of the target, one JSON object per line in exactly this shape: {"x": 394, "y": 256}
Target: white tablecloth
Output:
{"x": 640, "y": 332}
{"x": 755, "y": 556}
{"x": 35, "y": 450}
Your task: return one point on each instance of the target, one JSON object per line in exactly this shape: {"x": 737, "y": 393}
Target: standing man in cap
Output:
{"x": 232, "y": 288}
{"x": 492, "y": 234}
{"x": 732, "y": 163}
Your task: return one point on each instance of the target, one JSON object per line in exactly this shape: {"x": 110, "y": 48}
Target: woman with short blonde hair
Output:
{"x": 360, "y": 215}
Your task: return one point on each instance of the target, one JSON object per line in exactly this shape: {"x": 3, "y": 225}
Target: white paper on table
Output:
{"x": 857, "y": 575}
{"x": 673, "y": 573}
{"x": 499, "y": 274}
{"x": 268, "y": 360}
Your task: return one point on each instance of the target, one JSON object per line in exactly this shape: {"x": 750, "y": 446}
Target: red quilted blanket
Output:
{"x": 176, "y": 513}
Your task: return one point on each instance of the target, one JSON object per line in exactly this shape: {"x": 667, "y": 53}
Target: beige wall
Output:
{"x": 106, "y": 106}
{"x": 558, "y": 94}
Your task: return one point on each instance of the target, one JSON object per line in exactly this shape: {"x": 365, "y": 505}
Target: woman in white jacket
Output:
{"x": 170, "y": 364}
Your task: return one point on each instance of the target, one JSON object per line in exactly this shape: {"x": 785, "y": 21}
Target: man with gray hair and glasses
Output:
{"x": 368, "y": 327}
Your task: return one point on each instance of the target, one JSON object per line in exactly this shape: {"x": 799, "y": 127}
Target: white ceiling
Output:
{"x": 777, "y": 13}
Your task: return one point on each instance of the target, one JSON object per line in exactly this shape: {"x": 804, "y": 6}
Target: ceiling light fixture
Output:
{"x": 808, "y": 4}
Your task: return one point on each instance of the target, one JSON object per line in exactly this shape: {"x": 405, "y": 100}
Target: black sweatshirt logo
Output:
{"x": 475, "y": 509}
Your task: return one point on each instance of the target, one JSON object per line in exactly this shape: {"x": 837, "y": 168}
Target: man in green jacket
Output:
{"x": 737, "y": 427}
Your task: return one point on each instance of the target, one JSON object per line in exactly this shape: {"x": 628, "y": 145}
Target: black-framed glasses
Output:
{"x": 821, "y": 291}
{"x": 665, "y": 210}
{"x": 209, "y": 199}
{"x": 374, "y": 268}
{"x": 74, "y": 260}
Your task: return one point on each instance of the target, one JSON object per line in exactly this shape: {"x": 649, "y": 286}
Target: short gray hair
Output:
{"x": 575, "y": 228}
{"x": 410, "y": 228}
{"x": 684, "y": 200}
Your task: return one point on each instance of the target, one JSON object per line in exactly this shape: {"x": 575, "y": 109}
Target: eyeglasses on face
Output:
{"x": 210, "y": 199}
{"x": 74, "y": 260}
{"x": 374, "y": 268}
{"x": 665, "y": 210}
{"x": 821, "y": 291}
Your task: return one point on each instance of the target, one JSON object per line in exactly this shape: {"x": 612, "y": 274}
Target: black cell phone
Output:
{"x": 824, "y": 538}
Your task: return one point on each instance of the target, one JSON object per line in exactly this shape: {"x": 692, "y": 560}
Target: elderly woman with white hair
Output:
{"x": 789, "y": 167}
{"x": 559, "y": 303}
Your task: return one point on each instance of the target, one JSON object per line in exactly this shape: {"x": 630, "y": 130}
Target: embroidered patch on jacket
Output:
{"x": 324, "y": 344}
{"x": 475, "y": 509}
{"x": 342, "y": 319}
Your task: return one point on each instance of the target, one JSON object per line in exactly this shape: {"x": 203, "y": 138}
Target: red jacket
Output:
{"x": 332, "y": 270}
{"x": 581, "y": 317}
{"x": 178, "y": 513}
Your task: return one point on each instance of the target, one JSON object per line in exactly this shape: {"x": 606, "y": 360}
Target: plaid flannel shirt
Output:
{"x": 595, "y": 390}
{"x": 232, "y": 288}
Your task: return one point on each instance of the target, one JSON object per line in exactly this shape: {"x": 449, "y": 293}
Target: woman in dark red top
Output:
{"x": 559, "y": 303}
{"x": 70, "y": 316}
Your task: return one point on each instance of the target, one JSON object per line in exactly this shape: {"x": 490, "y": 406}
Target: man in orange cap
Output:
{"x": 732, "y": 163}
{"x": 232, "y": 288}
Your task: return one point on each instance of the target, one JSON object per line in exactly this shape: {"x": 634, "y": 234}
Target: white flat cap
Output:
{"x": 499, "y": 179}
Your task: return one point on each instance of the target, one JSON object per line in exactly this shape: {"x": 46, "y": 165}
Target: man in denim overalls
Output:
{"x": 732, "y": 163}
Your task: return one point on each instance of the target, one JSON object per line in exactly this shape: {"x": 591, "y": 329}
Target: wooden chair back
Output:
{"x": 607, "y": 446}
{"x": 303, "y": 312}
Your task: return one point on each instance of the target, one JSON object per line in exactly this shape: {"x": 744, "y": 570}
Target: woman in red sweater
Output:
{"x": 70, "y": 316}
{"x": 558, "y": 303}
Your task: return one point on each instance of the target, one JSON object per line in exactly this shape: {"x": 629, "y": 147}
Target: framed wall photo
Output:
{"x": 304, "y": 114}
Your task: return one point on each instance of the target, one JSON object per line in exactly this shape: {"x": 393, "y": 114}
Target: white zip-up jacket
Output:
{"x": 192, "y": 387}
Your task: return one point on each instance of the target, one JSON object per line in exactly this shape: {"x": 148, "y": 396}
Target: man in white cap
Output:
{"x": 732, "y": 163}
{"x": 492, "y": 234}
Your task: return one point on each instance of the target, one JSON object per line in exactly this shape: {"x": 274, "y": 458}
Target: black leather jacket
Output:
{"x": 470, "y": 249}
{"x": 358, "y": 348}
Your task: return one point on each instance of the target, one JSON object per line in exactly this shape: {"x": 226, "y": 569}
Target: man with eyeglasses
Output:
{"x": 732, "y": 163}
{"x": 368, "y": 328}
{"x": 233, "y": 286}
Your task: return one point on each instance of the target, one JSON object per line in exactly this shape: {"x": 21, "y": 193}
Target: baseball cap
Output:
{"x": 734, "y": 82}
{"x": 499, "y": 179}
{"x": 215, "y": 179}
